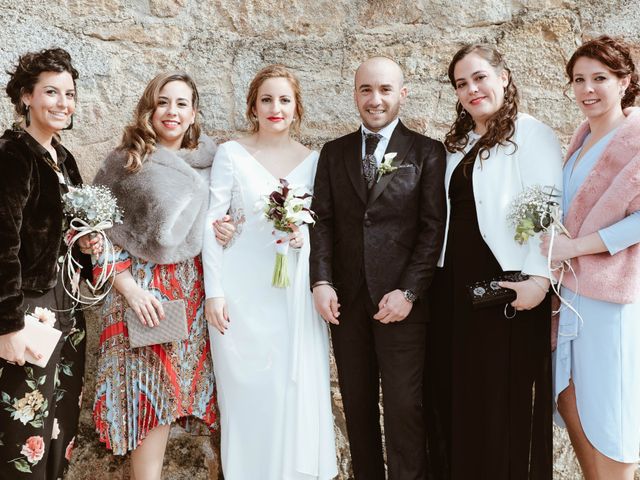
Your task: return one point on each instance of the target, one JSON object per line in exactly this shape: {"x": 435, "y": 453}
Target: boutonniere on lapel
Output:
{"x": 385, "y": 166}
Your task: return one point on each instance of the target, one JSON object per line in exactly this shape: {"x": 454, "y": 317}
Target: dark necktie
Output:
{"x": 369, "y": 164}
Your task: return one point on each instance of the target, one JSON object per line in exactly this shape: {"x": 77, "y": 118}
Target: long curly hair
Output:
{"x": 613, "y": 54}
{"x": 25, "y": 75}
{"x": 274, "y": 71}
{"x": 139, "y": 138}
{"x": 501, "y": 126}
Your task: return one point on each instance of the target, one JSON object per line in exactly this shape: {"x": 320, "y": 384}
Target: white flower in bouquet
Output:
{"x": 93, "y": 204}
{"x": 286, "y": 207}
{"x": 534, "y": 210}
{"x": 44, "y": 315}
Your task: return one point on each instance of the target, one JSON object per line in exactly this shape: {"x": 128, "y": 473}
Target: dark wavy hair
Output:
{"x": 139, "y": 137}
{"x": 28, "y": 69}
{"x": 501, "y": 126}
{"x": 615, "y": 55}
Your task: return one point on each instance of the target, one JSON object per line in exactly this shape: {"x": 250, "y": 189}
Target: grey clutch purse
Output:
{"x": 172, "y": 329}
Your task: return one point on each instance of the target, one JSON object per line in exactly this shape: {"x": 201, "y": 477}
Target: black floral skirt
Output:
{"x": 40, "y": 407}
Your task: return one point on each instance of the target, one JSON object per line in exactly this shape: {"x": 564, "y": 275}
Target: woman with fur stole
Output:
{"x": 597, "y": 360}
{"x": 159, "y": 174}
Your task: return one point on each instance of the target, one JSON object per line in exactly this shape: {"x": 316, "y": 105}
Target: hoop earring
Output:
{"x": 70, "y": 126}
{"x": 462, "y": 114}
{"x": 27, "y": 117}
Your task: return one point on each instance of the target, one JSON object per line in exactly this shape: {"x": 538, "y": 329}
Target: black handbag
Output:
{"x": 487, "y": 293}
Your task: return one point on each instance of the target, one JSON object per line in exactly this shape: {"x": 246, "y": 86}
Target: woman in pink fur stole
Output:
{"x": 597, "y": 360}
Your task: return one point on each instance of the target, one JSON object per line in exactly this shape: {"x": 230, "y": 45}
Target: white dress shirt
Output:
{"x": 385, "y": 133}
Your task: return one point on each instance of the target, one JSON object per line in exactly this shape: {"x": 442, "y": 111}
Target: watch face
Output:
{"x": 410, "y": 296}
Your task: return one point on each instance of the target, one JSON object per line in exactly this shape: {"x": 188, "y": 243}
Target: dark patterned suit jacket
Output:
{"x": 390, "y": 236}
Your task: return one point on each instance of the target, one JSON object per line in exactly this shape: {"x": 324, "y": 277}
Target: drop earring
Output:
{"x": 27, "y": 117}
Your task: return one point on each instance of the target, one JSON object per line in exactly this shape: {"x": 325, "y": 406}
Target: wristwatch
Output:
{"x": 409, "y": 296}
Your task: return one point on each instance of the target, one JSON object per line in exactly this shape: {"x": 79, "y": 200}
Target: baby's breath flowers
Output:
{"x": 90, "y": 210}
{"x": 533, "y": 210}
{"x": 93, "y": 204}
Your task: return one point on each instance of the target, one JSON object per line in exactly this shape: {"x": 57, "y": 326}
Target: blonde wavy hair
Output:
{"x": 274, "y": 71}
{"x": 139, "y": 138}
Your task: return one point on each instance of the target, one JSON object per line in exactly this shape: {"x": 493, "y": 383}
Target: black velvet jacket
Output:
{"x": 30, "y": 221}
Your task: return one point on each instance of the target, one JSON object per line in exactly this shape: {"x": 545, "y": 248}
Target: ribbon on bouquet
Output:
{"x": 71, "y": 267}
{"x": 563, "y": 267}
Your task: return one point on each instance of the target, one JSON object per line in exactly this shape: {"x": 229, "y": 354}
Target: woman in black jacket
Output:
{"x": 39, "y": 407}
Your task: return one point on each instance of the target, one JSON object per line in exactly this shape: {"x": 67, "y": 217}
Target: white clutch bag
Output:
{"x": 42, "y": 338}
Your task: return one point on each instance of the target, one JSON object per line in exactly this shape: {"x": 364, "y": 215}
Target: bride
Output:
{"x": 270, "y": 348}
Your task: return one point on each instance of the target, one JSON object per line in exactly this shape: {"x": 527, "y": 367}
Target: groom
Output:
{"x": 379, "y": 197}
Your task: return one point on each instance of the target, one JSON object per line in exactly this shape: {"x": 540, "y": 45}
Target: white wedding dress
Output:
{"x": 272, "y": 363}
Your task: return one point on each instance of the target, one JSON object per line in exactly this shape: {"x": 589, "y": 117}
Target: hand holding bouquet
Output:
{"x": 533, "y": 211}
{"x": 287, "y": 208}
{"x": 92, "y": 209}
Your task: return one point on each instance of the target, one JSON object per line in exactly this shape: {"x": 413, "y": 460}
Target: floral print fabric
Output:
{"x": 39, "y": 407}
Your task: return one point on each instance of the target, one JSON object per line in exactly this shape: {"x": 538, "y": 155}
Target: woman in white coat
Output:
{"x": 488, "y": 388}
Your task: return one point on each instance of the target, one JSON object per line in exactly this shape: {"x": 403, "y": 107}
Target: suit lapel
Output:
{"x": 400, "y": 142}
{"x": 353, "y": 164}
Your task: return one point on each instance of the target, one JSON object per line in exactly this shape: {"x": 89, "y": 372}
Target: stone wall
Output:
{"x": 119, "y": 45}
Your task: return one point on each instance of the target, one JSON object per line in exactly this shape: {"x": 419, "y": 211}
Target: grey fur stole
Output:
{"x": 164, "y": 204}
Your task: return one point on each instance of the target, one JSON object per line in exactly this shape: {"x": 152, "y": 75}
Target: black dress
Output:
{"x": 488, "y": 378}
{"x": 40, "y": 407}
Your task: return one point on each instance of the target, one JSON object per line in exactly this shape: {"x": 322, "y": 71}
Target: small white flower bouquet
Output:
{"x": 534, "y": 210}
{"x": 92, "y": 209}
{"x": 285, "y": 207}
{"x": 94, "y": 205}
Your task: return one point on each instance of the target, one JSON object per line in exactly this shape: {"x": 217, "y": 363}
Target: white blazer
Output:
{"x": 507, "y": 172}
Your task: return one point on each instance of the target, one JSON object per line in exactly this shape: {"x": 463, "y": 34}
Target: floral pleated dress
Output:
{"x": 138, "y": 389}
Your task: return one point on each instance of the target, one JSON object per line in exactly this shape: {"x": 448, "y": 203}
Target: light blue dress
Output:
{"x": 601, "y": 353}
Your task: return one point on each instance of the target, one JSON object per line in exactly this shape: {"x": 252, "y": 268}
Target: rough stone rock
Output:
{"x": 119, "y": 45}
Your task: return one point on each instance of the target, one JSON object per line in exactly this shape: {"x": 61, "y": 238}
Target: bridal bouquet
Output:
{"x": 534, "y": 210}
{"x": 92, "y": 209}
{"x": 285, "y": 207}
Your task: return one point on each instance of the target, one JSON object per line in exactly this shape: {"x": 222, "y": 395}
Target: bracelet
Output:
{"x": 322, "y": 282}
{"x": 537, "y": 282}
